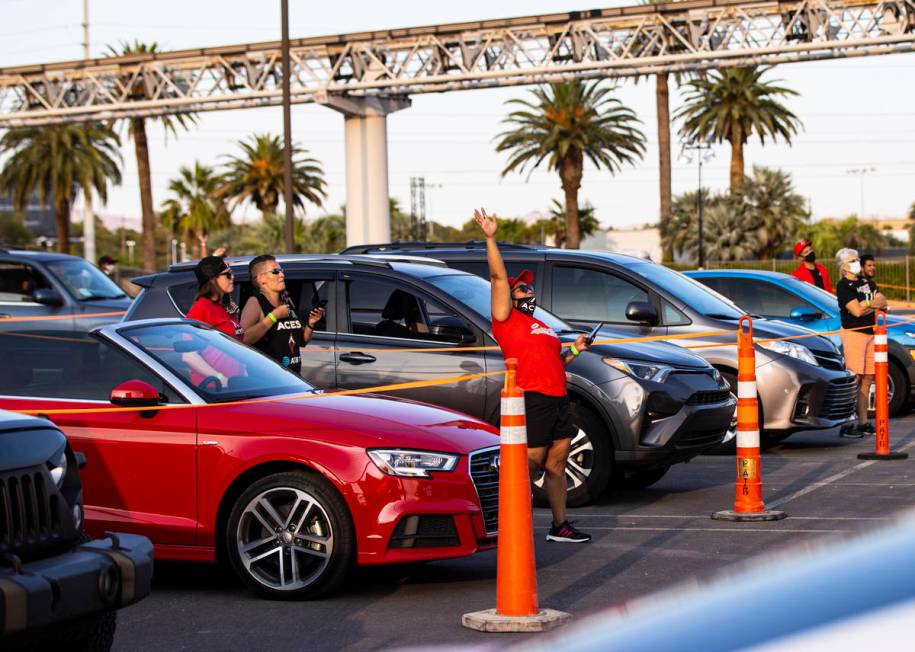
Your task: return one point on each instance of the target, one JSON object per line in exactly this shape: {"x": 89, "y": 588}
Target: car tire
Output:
{"x": 590, "y": 463}
{"x": 286, "y": 526}
{"x": 640, "y": 479}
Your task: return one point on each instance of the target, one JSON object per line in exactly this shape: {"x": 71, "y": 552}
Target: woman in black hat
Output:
{"x": 214, "y": 306}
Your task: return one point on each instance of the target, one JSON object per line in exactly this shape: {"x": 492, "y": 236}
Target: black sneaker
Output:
{"x": 566, "y": 533}
{"x": 868, "y": 429}
{"x": 851, "y": 431}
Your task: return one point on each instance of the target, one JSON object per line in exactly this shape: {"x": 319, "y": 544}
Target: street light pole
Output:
{"x": 287, "y": 131}
{"x": 703, "y": 152}
{"x": 860, "y": 173}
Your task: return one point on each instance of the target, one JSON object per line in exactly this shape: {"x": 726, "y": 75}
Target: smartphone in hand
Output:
{"x": 594, "y": 331}
{"x": 320, "y": 304}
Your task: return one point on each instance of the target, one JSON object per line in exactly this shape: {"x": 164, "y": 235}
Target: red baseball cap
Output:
{"x": 799, "y": 247}
{"x": 526, "y": 276}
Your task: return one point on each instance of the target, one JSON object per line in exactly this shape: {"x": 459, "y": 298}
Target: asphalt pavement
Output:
{"x": 643, "y": 541}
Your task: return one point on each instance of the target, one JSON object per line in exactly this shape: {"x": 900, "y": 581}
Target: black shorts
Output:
{"x": 548, "y": 418}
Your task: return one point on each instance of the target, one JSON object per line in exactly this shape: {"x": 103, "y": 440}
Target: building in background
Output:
{"x": 642, "y": 242}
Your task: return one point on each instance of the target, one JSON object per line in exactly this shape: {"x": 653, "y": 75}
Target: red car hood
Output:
{"x": 370, "y": 421}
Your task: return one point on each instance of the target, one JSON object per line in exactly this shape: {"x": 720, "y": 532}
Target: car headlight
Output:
{"x": 57, "y": 466}
{"x": 411, "y": 464}
{"x": 655, "y": 372}
{"x": 791, "y": 349}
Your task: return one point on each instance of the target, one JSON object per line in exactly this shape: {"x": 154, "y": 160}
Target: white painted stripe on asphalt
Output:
{"x": 545, "y": 513}
{"x": 513, "y": 405}
{"x": 828, "y": 481}
{"x": 748, "y": 439}
{"x": 746, "y": 389}
{"x": 879, "y": 339}
{"x": 880, "y": 356}
{"x": 513, "y": 435}
{"x": 702, "y": 529}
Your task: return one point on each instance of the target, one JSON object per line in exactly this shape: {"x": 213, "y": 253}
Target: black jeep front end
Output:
{"x": 56, "y": 584}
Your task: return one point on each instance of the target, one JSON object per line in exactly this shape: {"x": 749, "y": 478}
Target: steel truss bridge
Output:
{"x": 367, "y": 75}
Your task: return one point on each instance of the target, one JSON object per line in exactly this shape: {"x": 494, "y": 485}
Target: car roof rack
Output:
{"x": 352, "y": 258}
{"x": 400, "y": 245}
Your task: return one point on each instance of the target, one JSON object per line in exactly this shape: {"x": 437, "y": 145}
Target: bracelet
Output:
{"x": 307, "y": 325}
{"x": 221, "y": 377}
{"x": 575, "y": 351}
{"x": 867, "y": 303}
{"x": 272, "y": 316}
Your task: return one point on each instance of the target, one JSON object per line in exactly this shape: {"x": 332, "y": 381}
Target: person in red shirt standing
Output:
{"x": 214, "y": 306}
{"x": 541, "y": 374}
{"x": 810, "y": 270}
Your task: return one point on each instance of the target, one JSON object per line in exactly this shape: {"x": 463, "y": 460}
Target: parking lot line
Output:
{"x": 687, "y": 516}
{"x": 830, "y": 480}
{"x": 702, "y": 529}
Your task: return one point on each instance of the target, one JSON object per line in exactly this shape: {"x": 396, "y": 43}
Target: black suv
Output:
{"x": 802, "y": 384}
{"x": 57, "y": 588}
{"x": 638, "y": 407}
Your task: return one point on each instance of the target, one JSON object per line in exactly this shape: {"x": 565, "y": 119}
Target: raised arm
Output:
{"x": 501, "y": 292}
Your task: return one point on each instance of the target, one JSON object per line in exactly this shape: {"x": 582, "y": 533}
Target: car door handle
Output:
{"x": 357, "y": 358}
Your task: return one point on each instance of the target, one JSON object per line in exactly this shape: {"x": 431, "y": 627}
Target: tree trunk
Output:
{"x": 62, "y": 215}
{"x": 570, "y": 169}
{"x": 736, "y": 140}
{"x": 662, "y": 96}
{"x": 141, "y": 146}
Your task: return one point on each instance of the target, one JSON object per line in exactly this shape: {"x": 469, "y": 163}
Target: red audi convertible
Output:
{"x": 252, "y": 464}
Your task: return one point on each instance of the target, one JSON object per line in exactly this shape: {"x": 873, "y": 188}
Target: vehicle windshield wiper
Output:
{"x": 570, "y": 330}
{"x": 239, "y": 397}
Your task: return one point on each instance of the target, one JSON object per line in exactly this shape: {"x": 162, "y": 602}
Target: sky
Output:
{"x": 857, "y": 114}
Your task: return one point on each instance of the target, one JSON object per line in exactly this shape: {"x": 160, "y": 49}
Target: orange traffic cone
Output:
{"x": 748, "y": 502}
{"x": 516, "y": 570}
{"x": 882, "y": 407}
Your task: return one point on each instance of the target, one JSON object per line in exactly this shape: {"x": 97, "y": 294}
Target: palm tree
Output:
{"x": 193, "y": 210}
{"x": 137, "y": 131}
{"x": 257, "y": 175}
{"x": 564, "y": 124}
{"x": 778, "y": 212}
{"x": 57, "y": 162}
{"x": 732, "y": 104}
{"x": 587, "y": 222}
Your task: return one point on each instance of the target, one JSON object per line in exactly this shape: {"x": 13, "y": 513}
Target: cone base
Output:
{"x": 489, "y": 621}
{"x": 731, "y": 515}
{"x": 881, "y": 456}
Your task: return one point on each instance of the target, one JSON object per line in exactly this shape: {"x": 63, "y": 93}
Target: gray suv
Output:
{"x": 638, "y": 407}
{"x": 802, "y": 384}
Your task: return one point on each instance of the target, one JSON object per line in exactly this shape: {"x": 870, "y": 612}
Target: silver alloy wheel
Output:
{"x": 579, "y": 464}
{"x": 284, "y": 538}
{"x": 872, "y": 397}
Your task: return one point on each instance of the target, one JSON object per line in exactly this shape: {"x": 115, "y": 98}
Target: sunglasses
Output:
{"x": 227, "y": 273}
{"x": 276, "y": 271}
{"x": 524, "y": 287}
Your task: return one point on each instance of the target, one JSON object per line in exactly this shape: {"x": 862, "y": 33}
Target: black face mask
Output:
{"x": 811, "y": 257}
{"x": 527, "y": 305}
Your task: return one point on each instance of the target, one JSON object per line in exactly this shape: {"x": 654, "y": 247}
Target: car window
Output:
{"x": 481, "y": 269}
{"x": 687, "y": 291}
{"x": 193, "y": 352}
{"x": 592, "y": 295}
{"x": 68, "y": 365}
{"x": 388, "y": 309}
{"x": 670, "y": 316}
{"x": 761, "y": 297}
{"x": 18, "y": 282}
{"x": 185, "y": 294}
{"x": 84, "y": 280}
{"x": 304, "y": 292}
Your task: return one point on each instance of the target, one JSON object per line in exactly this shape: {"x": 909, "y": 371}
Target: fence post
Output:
{"x": 773, "y": 263}
{"x": 907, "y": 283}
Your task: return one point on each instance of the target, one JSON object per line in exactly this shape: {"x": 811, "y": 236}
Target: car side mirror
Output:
{"x": 48, "y": 297}
{"x": 804, "y": 313}
{"x": 135, "y": 393}
{"x": 642, "y": 312}
{"x": 452, "y": 329}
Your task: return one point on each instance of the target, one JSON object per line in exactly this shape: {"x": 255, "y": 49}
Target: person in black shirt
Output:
{"x": 858, "y": 300}
{"x": 269, "y": 317}
{"x": 868, "y": 271}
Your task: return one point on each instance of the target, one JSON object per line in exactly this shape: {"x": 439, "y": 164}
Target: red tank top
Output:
{"x": 537, "y": 350}
{"x": 216, "y": 315}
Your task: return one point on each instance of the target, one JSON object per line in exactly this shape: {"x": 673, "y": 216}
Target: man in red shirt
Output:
{"x": 541, "y": 374}
{"x": 809, "y": 270}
